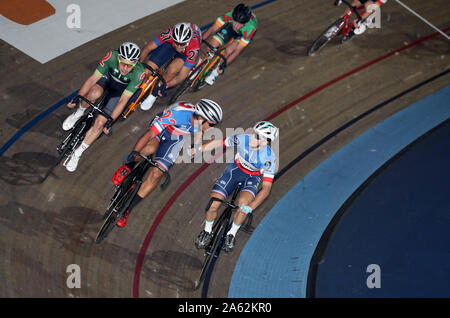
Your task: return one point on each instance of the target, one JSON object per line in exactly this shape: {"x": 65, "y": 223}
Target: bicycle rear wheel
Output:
{"x": 332, "y": 31}
{"x": 212, "y": 252}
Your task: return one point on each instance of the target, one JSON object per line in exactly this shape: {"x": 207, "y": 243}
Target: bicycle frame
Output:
{"x": 145, "y": 88}
{"x": 77, "y": 133}
{"x": 212, "y": 250}
{"x": 347, "y": 27}
{"x": 212, "y": 61}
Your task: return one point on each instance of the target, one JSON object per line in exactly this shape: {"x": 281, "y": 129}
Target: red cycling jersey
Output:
{"x": 192, "y": 49}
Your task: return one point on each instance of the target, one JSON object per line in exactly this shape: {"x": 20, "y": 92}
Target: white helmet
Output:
{"x": 266, "y": 129}
{"x": 129, "y": 51}
{"x": 182, "y": 32}
{"x": 209, "y": 110}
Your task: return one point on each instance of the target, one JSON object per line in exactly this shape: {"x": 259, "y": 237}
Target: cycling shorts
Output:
{"x": 164, "y": 53}
{"x": 229, "y": 179}
{"x": 169, "y": 149}
{"x": 114, "y": 91}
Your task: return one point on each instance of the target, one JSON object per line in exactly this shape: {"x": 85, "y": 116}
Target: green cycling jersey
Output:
{"x": 110, "y": 63}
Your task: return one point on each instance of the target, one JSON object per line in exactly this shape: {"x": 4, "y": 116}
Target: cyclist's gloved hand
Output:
{"x": 73, "y": 102}
{"x": 161, "y": 90}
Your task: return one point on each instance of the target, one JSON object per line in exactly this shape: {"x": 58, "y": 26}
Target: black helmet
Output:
{"x": 242, "y": 13}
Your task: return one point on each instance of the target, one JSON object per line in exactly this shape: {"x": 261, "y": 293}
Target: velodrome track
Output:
{"x": 45, "y": 227}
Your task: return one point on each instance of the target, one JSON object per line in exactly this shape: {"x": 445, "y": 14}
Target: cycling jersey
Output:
{"x": 191, "y": 50}
{"x": 245, "y": 34}
{"x": 250, "y": 161}
{"x": 176, "y": 119}
{"x": 380, "y": 2}
{"x": 170, "y": 127}
{"x": 110, "y": 64}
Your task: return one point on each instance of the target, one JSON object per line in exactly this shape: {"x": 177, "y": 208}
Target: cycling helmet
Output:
{"x": 182, "y": 32}
{"x": 209, "y": 110}
{"x": 129, "y": 51}
{"x": 242, "y": 13}
{"x": 266, "y": 129}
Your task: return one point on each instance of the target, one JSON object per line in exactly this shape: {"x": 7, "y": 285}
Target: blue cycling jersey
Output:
{"x": 251, "y": 161}
{"x": 176, "y": 119}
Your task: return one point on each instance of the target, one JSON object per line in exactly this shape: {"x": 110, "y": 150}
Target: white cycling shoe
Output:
{"x": 71, "y": 120}
{"x": 148, "y": 102}
{"x": 71, "y": 163}
{"x": 211, "y": 78}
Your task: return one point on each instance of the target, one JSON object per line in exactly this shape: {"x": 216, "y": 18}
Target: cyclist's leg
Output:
{"x": 157, "y": 58}
{"x": 71, "y": 164}
{"x": 94, "y": 93}
{"x": 176, "y": 72}
{"x": 165, "y": 157}
{"x": 246, "y": 197}
{"x": 147, "y": 145}
{"x": 223, "y": 187}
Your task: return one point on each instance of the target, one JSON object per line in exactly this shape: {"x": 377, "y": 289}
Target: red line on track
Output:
{"x": 180, "y": 190}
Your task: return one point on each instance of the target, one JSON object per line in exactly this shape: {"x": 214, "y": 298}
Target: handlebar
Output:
{"x": 155, "y": 74}
{"x": 95, "y": 107}
{"x": 231, "y": 205}
{"x": 215, "y": 51}
{"x": 154, "y": 164}
{"x": 354, "y": 9}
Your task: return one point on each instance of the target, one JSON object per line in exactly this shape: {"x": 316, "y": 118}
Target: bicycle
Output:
{"x": 145, "y": 88}
{"x": 125, "y": 193}
{"x": 342, "y": 26}
{"x": 79, "y": 130}
{"x": 220, "y": 228}
{"x": 196, "y": 78}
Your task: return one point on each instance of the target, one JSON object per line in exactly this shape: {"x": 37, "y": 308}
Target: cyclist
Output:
{"x": 370, "y": 7}
{"x": 238, "y": 26}
{"x": 120, "y": 73}
{"x": 180, "y": 42}
{"x": 165, "y": 137}
{"x": 255, "y": 164}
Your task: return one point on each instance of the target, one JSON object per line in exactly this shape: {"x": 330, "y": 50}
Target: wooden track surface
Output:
{"x": 46, "y": 227}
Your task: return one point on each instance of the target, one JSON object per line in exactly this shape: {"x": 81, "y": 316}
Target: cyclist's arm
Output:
{"x": 147, "y": 49}
{"x": 262, "y": 195}
{"x": 211, "y": 30}
{"x": 120, "y": 105}
{"x": 87, "y": 85}
{"x": 212, "y": 144}
{"x": 184, "y": 72}
{"x": 236, "y": 49}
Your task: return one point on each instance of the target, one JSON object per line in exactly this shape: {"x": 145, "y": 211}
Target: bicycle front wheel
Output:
{"x": 115, "y": 212}
{"x": 332, "y": 31}
{"x": 212, "y": 252}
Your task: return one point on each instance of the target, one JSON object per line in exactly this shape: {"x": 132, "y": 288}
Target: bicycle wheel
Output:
{"x": 201, "y": 81}
{"x": 326, "y": 36}
{"x": 188, "y": 82}
{"x": 117, "y": 210}
{"x": 183, "y": 88}
{"x": 67, "y": 146}
{"x": 212, "y": 252}
{"x": 126, "y": 184}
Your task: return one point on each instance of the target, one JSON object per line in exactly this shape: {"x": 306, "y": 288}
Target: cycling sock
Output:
{"x": 79, "y": 151}
{"x": 134, "y": 202}
{"x": 80, "y": 111}
{"x": 208, "y": 226}
{"x": 234, "y": 229}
